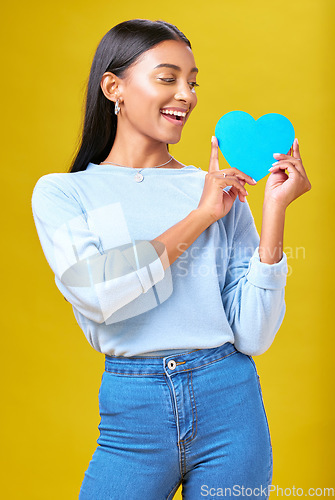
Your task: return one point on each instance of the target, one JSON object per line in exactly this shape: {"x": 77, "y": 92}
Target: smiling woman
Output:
{"x": 154, "y": 59}
{"x": 180, "y": 400}
{"x": 150, "y": 90}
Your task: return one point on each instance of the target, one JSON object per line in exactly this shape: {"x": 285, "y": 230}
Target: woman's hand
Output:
{"x": 281, "y": 187}
{"x": 215, "y": 202}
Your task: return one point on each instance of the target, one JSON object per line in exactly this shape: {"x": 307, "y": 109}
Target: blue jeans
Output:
{"x": 196, "y": 418}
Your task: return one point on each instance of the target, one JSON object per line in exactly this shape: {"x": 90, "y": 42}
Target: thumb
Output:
{"x": 296, "y": 149}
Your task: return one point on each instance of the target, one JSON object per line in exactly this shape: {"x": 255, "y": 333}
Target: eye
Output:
{"x": 167, "y": 80}
{"x": 193, "y": 84}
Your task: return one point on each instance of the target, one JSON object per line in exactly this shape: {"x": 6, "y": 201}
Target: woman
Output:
{"x": 168, "y": 278}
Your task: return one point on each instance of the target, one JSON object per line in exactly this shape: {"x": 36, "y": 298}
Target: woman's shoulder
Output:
{"x": 54, "y": 189}
{"x": 51, "y": 179}
{"x": 63, "y": 181}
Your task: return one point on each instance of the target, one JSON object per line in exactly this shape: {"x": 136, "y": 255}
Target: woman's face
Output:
{"x": 158, "y": 93}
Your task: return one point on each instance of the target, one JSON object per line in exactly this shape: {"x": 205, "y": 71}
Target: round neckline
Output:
{"x": 145, "y": 171}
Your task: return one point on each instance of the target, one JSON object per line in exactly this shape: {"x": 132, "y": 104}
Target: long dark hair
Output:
{"x": 118, "y": 49}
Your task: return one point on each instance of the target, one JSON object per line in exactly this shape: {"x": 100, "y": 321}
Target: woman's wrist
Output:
{"x": 274, "y": 207}
{"x": 203, "y": 217}
{"x": 272, "y": 233}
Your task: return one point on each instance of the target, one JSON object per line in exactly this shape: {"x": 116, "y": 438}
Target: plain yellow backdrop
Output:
{"x": 256, "y": 56}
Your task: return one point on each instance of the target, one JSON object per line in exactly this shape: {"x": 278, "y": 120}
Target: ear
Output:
{"x": 110, "y": 86}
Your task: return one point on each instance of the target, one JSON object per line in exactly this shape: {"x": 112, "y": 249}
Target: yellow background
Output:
{"x": 256, "y": 56}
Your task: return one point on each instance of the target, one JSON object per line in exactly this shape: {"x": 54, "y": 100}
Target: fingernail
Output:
{"x": 276, "y": 154}
{"x": 246, "y": 192}
{"x": 213, "y": 138}
{"x": 270, "y": 169}
{"x": 254, "y": 181}
{"x": 276, "y": 163}
{"x": 296, "y": 140}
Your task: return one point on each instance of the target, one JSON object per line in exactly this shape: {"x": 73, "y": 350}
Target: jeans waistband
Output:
{"x": 174, "y": 363}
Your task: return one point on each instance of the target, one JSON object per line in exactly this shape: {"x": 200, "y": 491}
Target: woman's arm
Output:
{"x": 213, "y": 205}
{"x": 281, "y": 189}
{"x": 97, "y": 281}
{"x": 254, "y": 298}
{"x": 272, "y": 234}
{"x": 179, "y": 237}
{"x": 253, "y": 291}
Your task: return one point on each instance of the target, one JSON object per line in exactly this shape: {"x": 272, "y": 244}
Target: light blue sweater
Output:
{"x": 95, "y": 227}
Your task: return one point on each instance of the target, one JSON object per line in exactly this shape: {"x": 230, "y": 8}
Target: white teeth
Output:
{"x": 175, "y": 113}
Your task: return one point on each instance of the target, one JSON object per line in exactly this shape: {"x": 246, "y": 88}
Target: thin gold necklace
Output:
{"x": 138, "y": 176}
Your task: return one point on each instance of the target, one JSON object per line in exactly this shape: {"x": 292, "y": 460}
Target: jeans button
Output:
{"x": 172, "y": 364}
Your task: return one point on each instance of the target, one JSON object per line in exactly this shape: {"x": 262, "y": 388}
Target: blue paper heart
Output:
{"x": 249, "y": 144}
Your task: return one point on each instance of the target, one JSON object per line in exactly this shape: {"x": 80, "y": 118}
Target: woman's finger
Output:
{"x": 241, "y": 175}
{"x": 295, "y": 172}
{"x": 296, "y": 149}
{"x": 296, "y": 152}
{"x": 284, "y": 165}
{"x": 231, "y": 180}
{"x": 297, "y": 155}
{"x": 293, "y": 161}
{"x": 233, "y": 193}
{"x": 214, "y": 158}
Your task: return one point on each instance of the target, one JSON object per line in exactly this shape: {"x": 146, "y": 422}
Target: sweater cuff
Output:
{"x": 268, "y": 276}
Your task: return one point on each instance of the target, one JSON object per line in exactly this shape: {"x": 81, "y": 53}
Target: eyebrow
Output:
{"x": 173, "y": 66}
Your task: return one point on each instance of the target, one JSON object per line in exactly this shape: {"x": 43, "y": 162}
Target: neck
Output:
{"x": 139, "y": 153}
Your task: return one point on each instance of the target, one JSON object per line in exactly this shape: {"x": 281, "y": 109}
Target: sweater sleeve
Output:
{"x": 253, "y": 292}
{"x": 95, "y": 280}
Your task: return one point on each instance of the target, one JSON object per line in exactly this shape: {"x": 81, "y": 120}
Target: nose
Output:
{"x": 185, "y": 93}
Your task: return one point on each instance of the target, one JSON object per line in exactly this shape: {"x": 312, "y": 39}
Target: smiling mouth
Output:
{"x": 177, "y": 117}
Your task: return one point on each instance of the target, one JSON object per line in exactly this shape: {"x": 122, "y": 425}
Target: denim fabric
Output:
{"x": 195, "y": 419}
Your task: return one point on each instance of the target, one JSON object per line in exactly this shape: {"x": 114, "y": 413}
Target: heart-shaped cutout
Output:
{"x": 248, "y": 144}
